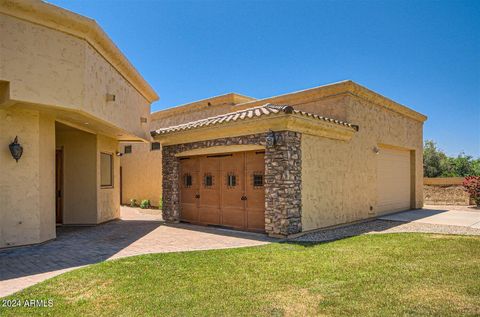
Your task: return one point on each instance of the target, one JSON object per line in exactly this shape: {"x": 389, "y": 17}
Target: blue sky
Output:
{"x": 423, "y": 54}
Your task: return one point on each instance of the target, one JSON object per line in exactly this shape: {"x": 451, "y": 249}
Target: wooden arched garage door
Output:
{"x": 224, "y": 189}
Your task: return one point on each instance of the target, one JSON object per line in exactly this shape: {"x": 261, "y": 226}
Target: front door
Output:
{"x": 59, "y": 186}
{"x": 224, "y": 189}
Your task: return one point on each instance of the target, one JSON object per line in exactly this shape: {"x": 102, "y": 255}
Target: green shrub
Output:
{"x": 133, "y": 203}
{"x": 160, "y": 203}
{"x": 145, "y": 204}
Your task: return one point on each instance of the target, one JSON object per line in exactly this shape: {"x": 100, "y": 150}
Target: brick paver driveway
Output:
{"x": 136, "y": 233}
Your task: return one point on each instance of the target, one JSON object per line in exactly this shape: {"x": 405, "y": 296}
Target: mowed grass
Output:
{"x": 374, "y": 275}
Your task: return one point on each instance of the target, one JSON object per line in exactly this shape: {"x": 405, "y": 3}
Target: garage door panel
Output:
{"x": 233, "y": 217}
{"x": 233, "y": 181}
{"x": 189, "y": 212}
{"x": 225, "y": 190}
{"x": 188, "y": 190}
{"x": 256, "y": 220}
{"x": 209, "y": 215}
{"x": 393, "y": 180}
{"x": 255, "y": 190}
{"x": 209, "y": 200}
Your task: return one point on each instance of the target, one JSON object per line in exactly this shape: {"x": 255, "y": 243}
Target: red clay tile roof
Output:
{"x": 265, "y": 110}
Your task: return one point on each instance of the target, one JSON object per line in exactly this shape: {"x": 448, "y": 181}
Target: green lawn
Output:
{"x": 374, "y": 275}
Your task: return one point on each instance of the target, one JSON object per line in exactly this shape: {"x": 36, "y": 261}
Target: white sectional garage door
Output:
{"x": 393, "y": 181}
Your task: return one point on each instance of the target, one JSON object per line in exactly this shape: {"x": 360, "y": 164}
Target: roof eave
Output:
{"x": 273, "y": 122}
{"x": 53, "y": 17}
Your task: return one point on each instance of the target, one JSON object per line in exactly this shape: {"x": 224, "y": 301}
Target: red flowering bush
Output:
{"x": 471, "y": 184}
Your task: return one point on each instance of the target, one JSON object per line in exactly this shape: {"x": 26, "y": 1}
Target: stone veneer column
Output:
{"x": 170, "y": 186}
{"x": 283, "y": 185}
{"x": 282, "y": 179}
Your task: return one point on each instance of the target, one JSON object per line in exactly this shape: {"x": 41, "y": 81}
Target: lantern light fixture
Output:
{"x": 271, "y": 138}
{"x": 16, "y": 149}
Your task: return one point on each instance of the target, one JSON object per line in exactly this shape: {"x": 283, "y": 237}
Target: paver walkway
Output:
{"x": 137, "y": 233}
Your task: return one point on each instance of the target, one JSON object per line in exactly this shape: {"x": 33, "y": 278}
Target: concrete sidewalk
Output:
{"x": 463, "y": 216}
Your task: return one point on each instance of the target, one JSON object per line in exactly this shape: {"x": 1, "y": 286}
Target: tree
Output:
{"x": 433, "y": 159}
{"x": 437, "y": 164}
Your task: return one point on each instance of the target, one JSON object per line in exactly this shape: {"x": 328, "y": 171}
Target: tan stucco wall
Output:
{"x": 47, "y": 177}
{"x": 142, "y": 169}
{"x": 197, "y": 110}
{"x": 53, "y": 69}
{"x": 108, "y": 204}
{"x": 339, "y": 178}
{"x": 142, "y": 174}
{"x": 85, "y": 201}
{"x": 56, "y": 66}
{"x": 80, "y": 176}
{"x": 27, "y": 187}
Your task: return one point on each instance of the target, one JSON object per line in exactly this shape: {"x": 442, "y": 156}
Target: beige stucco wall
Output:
{"x": 197, "y": 110}
{"x": 56, "y": 66}
{"x": 47, "y": 177}
{"x": 101, "y": 78}
{"x": 79, "y": 176}
{"x": 142, "y": 174}
{"x": 53, "y": 69}
{"x": 85, "y": 201}
{"x": 142, "y": 169}
{"x": 27, "y": 187}
{"x": 339, "y": 178}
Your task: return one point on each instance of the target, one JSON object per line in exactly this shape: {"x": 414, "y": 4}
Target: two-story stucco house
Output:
{"x": 283, "y": 165}
{"x": 68, "y": 96}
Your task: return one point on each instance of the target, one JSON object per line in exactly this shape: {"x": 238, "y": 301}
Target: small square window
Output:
{"x": 208, "y": 180}
{"x": 187, "y": 180}
{"x": 127, "y": 149}
{"x": 155, "y": 146}
{"x": 257, "y": 180}
{"x": 231, "y": 180}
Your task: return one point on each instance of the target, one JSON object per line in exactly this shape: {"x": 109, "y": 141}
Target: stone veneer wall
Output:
{"x": 283, "y": 185}
{"x": 283, "y": 168}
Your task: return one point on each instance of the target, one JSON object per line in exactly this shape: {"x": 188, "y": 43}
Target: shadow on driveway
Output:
{"x": 74, "y": 246}
{"x": 78, "y": 246}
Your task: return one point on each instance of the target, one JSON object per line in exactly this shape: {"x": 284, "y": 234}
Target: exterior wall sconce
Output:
{"x": 118, "y": 154}
{"x": 16, "y": 149}
{"x": 271, "y": 138}
{"x": 376, "y": 150}
{"x": 110, "y": 97}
